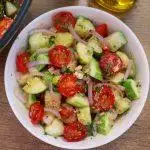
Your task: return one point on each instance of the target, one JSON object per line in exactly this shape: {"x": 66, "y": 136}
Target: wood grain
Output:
{"x": 13, "y": 136}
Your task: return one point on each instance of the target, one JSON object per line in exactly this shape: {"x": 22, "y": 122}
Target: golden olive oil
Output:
{"x": 116, "y": 5}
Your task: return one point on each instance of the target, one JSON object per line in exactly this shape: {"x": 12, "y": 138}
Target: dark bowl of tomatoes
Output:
{"x": 66, "y": 94}
{"x": 12, "y": 12}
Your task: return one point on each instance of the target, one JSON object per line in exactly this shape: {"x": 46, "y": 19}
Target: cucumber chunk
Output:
{"x": 116, "y": 41}
{"x": 95, "y": 46}
{"x": 124, "y": 58}
{"x": 37, "y": 41}
{"x": 34, "y": 85}
{"x": 55, "y": 129}
{"x": 84, "y": 115}
{"x": 31, "y": 99}
{"x": 122, "y": 105}
{"x": 94, "y": 69}
{"x": 131, "y": 89}
{"x": 103, "y": 123}
{"x": 65, "y": 39}
{"x": 79, "y": 101}
{"x": 83, "y": 26}
{"x": 85, "y": 55}
{"x": 11, "y": 9}
{"x": 47, "y": 77}
{"x": 118, "y": 78}
{"x": 132, "y": 73}
{"x": 40, "y": 57}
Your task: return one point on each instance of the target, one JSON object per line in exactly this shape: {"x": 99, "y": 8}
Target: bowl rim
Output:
{"x": 88, "y": 146}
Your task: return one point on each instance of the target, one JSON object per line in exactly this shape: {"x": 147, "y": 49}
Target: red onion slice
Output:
{"x": 119, "y": 88}
{"x": 75, "y": 35}
{"x": 36, "y": 63}
{"x": 54, "y": 71}
{"x": 53, "y": 111}
{"x": 44, "y": 31}
{"x": 90, "y": 90}
{"x": 90, "y": 93}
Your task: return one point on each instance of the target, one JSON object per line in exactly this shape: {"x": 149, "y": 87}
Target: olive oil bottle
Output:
{"x": 116, "y": 5}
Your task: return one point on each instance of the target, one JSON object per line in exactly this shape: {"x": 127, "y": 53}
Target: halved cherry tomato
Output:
{"x": 102, "y": 30}
{"x": 21, "y": 62}
{"x": 110, "y": 63}
{"x": 62, "y": 20}
{"x": 60, "y": 56}
{"x": 103, "y": 99}
{"x": 5, "y": 23}
{"x": 75, "y": 132}
{"x": 67, "y": 85}
{"x": 67, "y": 113}
{"x": 36, "y": 112}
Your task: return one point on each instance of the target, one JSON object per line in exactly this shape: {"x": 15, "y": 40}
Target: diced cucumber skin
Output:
{"x": 55, "y": 79}
{"x": 131, "y": 89}
{"x": 84, "y": 115}
{"x": 85, "y": 56}
{"x": 11, "y": 9}
{"x": 37, "y": 41}
{"x": 55, "y": 129}
{"x": 31, "y": 99}
{"x": 83, "y": 26}
{"x": 94, "y": 70}
{"x": 78, "y": 101}
{"x": 52, "y": 41}
{"x": 65, "y": 39}
{"x": 34, "y": 85}
{"x": 47, "y": 77}
{"x": 116, "y": 41}
{"x": 103, "y": 123}
{"x": 39, "y": 57}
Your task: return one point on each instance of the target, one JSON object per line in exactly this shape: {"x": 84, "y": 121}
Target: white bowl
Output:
{"x": 134, "y": 47}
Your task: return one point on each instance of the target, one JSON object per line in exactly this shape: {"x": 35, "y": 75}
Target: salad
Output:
{"x": 75, "y": 78}
{"x": 8, "y": 12}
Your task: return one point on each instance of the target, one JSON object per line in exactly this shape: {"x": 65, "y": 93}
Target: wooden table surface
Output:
{"x": 13, "y": 136}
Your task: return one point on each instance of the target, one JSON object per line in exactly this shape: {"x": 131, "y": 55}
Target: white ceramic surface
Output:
{"x": 134, "y": 47}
